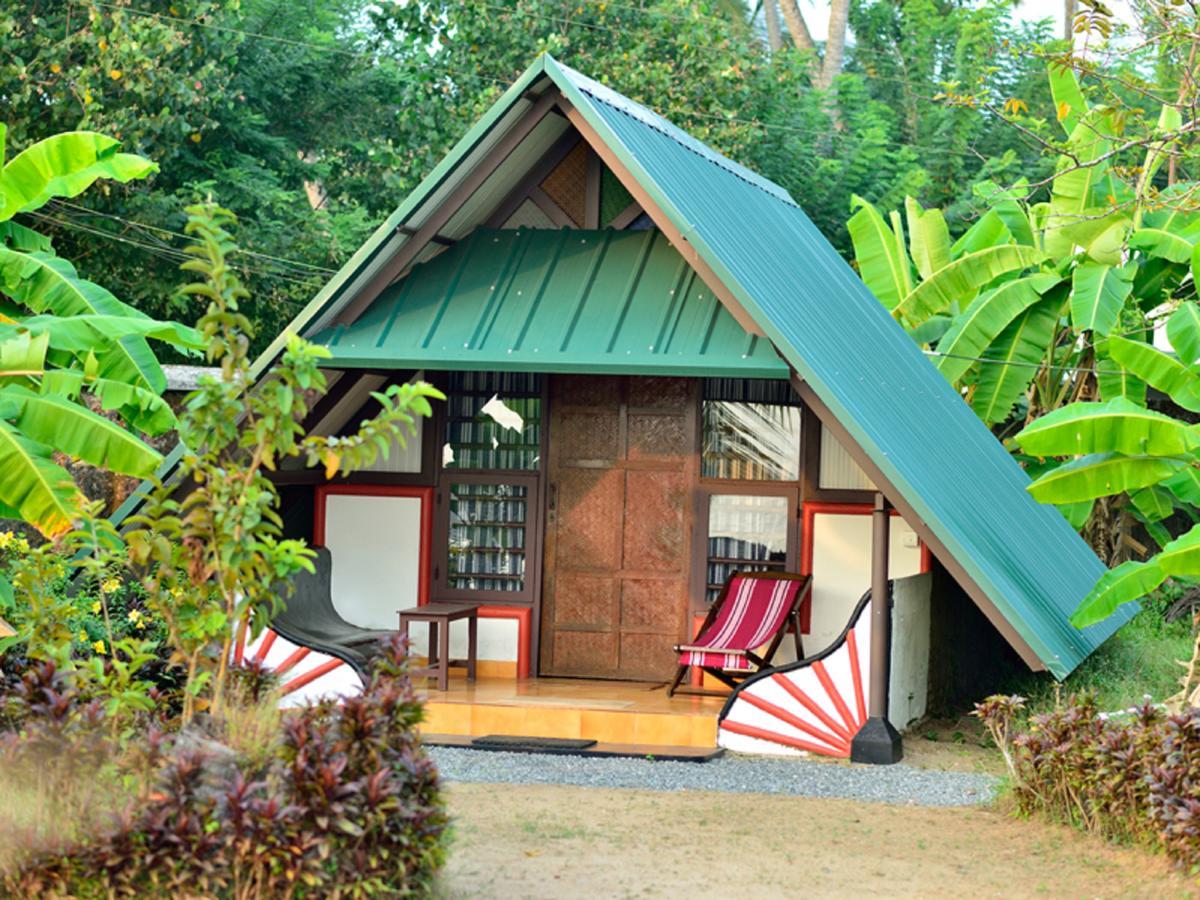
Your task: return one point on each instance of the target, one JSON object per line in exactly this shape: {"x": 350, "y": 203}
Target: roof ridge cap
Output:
{"x": 664, "y": 126}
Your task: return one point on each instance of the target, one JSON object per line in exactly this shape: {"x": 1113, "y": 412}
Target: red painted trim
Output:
{"x": 860, "y": 701}
{"x": 926, "y": 558}
{"x": 265, "y": 645}
{"x": 424, "y": 494}
{"x": 790, "y": 718}
{"x": 775, "y": 738}
{"x": 812, "y": 706}
{"x": 524, "y": 617}
{"x": 831, "y": 689}
{"x": 298, "y": 654}
{"x": 239, "y": 645}
{"x": 311, "y": 675}
{"x": 696, "y": 676}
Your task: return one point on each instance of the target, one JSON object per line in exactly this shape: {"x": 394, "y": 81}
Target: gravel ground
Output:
{"x": 898, "y": 784}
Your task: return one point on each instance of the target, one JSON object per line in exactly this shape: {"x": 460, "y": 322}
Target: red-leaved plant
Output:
{"x": 346, "y": 804}
{"x": 1133, "y": 777}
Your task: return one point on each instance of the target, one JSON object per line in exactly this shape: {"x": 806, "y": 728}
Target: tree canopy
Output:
{"x": 312, "y": 124}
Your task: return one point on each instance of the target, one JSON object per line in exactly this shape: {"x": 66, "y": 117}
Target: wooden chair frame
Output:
{"x": 792, "y": 619}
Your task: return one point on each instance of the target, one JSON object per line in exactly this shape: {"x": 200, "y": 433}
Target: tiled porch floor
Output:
{"x": 620, "y": 712}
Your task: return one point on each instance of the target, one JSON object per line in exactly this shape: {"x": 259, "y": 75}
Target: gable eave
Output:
{"x": 389, "y": 239}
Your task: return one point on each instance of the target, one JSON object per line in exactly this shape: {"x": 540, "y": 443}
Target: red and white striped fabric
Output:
{"x": 813, "y": 707}
{"x": 304, "y": 674}
{"x": 753, "y": 612}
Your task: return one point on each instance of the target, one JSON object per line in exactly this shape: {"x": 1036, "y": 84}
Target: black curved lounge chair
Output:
{"x": 310, "y": 620}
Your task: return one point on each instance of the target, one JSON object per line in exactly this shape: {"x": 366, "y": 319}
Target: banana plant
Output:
{"x": 1016, "y": 310}
{"x": 1042, "y": 314}
{"x": 63, "y": 338}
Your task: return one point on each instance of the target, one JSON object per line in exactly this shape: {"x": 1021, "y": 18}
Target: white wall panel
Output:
{"x": 497, "y": 639}
{"x": 842, "y": 570}
{"x": 375, "y": 543}
{"x": 908, "y": 690}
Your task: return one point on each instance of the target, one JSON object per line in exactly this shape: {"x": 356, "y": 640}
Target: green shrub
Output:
{"x": 345, "y": 800}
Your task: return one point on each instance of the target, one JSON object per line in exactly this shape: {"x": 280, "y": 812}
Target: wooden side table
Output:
{"x": 439, "y": 616}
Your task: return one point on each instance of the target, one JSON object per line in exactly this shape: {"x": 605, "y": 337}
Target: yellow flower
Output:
{"x": 6, "y": 538}
{"x": 195, "y": 137}
{"x": 55, "y": 68}
{"x": 99, "y": 647}
{"x": 21, "y": 544}
{"x": 103, "y": 45}
{"x": 134, "y": 615}
{"x": 139, "y": 624}
{"x": 115, "y": 74}
{"x": 109, "y": 585}
{"x": 87, "y": 96}
{"x": 82, "y": 636}
{"x": 96, "y": 608}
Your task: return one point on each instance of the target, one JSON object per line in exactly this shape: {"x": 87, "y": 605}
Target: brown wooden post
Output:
{"x": 878, "y": 741}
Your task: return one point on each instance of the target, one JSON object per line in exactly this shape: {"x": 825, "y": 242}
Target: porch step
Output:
{"x": 585, "y": 720}
{"x": 594, "y": 749}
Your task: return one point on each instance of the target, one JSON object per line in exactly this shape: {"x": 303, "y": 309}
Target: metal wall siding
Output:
{"x": 567, "y": 300}
{"x": 902, "y": 412}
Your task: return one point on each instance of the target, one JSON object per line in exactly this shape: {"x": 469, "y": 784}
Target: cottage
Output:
{"x": 658, "y": 373}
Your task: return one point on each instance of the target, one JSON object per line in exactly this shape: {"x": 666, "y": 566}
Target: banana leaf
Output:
{"x": 32, "y": 484}
{"x": 1098, "y": 293}
{"x": 962, "y": 280}
{"x": 974, "y": 329}
{"x": 928, "y": 237}
{"x": 77, "y": 431}
{"x": 1125, "y": 583}
{"x": 1183, "y": 331}
{"x": 1068, "y": 96}
{"x": 63, "y": 165}
{"x": 1102, "y": 475}
{"x": 1012, "y": 360}
{"x": 1157, "y": 369}
{"x": 1115, "y": 426}
{"x": 879, "y": 251}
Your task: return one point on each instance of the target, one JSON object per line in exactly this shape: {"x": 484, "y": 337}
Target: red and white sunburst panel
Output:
{"x": 304, "y": 674}
{"x": 816, "y": 706}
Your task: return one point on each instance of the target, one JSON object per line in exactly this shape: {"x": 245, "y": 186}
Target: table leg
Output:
{"x": 433, "y": 644}
{"x": 472, "y": 644}
{"x": 444, "y": 658}
{"x": 404, "y": 634}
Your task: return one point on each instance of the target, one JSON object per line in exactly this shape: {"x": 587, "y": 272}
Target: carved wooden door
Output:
{"x": 618, "y": 528}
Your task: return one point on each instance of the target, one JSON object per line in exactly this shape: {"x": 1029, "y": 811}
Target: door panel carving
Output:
{"x": 622, "y": 464}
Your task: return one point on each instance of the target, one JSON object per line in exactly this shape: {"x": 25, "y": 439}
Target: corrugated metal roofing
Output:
{"x": 561, "y": 301}
{"x": 903, "y": 414}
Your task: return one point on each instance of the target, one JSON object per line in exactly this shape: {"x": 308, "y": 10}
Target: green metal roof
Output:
{"x": 554, "y": 301}
{"x": 899, "y": 409}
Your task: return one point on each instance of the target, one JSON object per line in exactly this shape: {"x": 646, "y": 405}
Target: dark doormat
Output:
{"x": 572, "y": 747}
{"x": 520, "y": 744}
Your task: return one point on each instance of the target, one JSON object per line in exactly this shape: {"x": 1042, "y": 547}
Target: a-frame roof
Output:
{"x": 779, "y": 277}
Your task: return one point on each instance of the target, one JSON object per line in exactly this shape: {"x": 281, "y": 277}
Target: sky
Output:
{"x": 816, "y": 13}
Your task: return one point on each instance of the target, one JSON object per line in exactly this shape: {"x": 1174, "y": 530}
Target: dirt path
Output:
{"x": 555, "y": 841}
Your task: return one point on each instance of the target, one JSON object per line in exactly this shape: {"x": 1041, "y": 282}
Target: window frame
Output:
{"x": 530, "y": 591}
{"x": 700, "y": 536}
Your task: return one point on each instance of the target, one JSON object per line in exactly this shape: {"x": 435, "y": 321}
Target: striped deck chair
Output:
{"x": 752, "y": 609}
